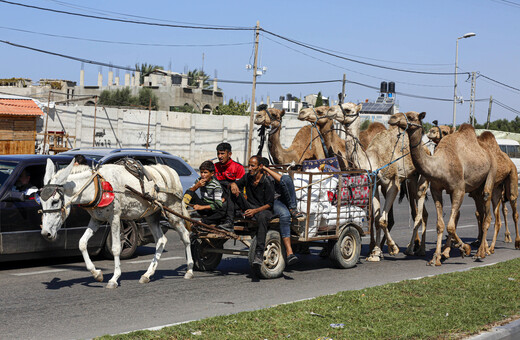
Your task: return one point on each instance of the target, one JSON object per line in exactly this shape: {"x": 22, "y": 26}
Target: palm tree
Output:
{"x": 145, "y": 69}
{"x": 195, "y": 75}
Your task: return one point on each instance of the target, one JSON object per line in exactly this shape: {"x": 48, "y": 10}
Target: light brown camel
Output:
{"x": 506, "y": 189}
{"x": 386, "y": 147}
{"x": 334, "y": 144}
{"x": 366, "y": 136}
{"x": 299, "y": 149}
{"x": 459, "y": 165}
{"x": 436, "y": 133}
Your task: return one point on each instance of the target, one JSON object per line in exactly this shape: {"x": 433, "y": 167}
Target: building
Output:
{"x": 383, "y": 107}
{"x": 171, "y": 89}
{"x": 18, "y": 117}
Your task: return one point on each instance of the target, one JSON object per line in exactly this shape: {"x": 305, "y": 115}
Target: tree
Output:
{"x": 123, "y": 97}
{"x": 319, "y": 100}
{"x": 233, "y": 108}
{"x": 145, "y": 69}
{"x": 195, "y": 75}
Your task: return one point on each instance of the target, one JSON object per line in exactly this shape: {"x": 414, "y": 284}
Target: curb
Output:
{"x": 510, "y": 331}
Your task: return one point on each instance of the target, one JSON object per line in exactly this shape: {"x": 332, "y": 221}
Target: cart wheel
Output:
{"x": 203, "y": 260}
{"x": 128, "y": 239}
{"x": 274, "y": 256}
{"x": 346, "y": 251}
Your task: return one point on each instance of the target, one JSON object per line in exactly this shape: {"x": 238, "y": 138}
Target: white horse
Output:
{"x": 79, "y": 185}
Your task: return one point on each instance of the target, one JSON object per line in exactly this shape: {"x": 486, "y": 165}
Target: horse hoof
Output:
{"x": 111, "y": 285}
{"x": 188, "y": 275}
{"x": 144, "y": 279}
{"x": 98, "y": 275}
{"x": 373, "y": 259}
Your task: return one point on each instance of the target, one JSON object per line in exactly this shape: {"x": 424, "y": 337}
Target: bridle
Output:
{"x": 49, "y": 190}
{"x": 346, "y": 114}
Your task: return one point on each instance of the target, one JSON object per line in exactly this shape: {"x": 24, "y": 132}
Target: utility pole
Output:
{"x": 45, "y": 136}
{"x": 149, "y": 114}
{"x": 489, "y": 111}
{"x": 343, "y": 89}
{"x": 94, "y": 132}
{"x": 251, "y": 117}
{"x": 472, "y": 100}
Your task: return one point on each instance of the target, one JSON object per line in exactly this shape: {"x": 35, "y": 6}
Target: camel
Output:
{"x": 436, "y": 133}
{"x": 459, "y": 165}
{"x": 334, "y": 144}
{"x": 300, "y": 149}
{"x": 385, "y": 147}
{"x": 366, "y": 136}
{"x": 504, "y": 191}
{"x": 79, "y": 185}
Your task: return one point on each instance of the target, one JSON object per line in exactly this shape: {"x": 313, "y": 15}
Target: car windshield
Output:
{"x": 95, "y": 158}
{"x": 6, "y": 169}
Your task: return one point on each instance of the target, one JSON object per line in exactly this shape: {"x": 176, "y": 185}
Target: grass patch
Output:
{"x": 447, "y": 306}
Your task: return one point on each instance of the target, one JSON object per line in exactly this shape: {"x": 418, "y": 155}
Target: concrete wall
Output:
{"x": 191, "y": 136}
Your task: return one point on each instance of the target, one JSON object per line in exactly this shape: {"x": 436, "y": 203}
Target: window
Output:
{"x": 6, "y": 169}
{"x": 178, "y": 166}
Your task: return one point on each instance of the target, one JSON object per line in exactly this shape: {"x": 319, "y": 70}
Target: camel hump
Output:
{"x": 465, "y": 128}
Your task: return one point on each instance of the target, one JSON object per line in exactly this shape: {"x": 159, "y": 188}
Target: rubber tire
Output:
{"x": 205, "y": 261}
{"x": 274, "y": 254}
{"x": 129, "y": 241}
{"x": 346, "y": 251}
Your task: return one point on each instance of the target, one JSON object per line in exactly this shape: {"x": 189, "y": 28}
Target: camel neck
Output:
{"x": 274, "y": 144}
{"x": 423, "y": 162}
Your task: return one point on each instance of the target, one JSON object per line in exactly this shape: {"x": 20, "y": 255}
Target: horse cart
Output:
{"x": 336, "y": 207}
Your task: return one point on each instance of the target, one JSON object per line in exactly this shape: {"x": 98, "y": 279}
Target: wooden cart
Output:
{"x": 337, "y": 208}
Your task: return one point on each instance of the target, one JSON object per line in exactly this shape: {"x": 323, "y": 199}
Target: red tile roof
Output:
{"x": 19, "y": 107}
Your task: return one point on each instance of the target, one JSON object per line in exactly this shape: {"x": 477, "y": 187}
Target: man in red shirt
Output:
{"x": 227, "y": 171}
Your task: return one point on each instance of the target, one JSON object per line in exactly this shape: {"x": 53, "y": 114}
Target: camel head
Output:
{"x": 346, "y": 113}
{"x": 270, "y": 118}
{"x": 436, "y": 133}
{"x": 410, "y": 120}
{"x": 314, "y": 114}
{"x": 54, "y": 197}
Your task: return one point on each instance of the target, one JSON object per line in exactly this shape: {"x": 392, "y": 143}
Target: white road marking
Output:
{"x": 40, "y": 272}
{"x": 162, "y": 259}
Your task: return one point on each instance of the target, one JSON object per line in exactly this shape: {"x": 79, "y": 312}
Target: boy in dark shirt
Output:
{"x": 209, "y": 206}
{"x": 259, "y": 202}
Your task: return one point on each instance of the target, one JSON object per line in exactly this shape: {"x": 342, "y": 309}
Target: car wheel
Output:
{"x": 274, "y": 256}
{"x": 128, "y": 241}
{"x": 202, "y": 259}
{"x": 346, "y": 251}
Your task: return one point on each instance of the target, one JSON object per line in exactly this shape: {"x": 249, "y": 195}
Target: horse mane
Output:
{"x": 79, "y": 168}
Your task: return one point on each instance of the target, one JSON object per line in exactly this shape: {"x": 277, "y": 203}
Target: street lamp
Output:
{"x": 467, "y": 35}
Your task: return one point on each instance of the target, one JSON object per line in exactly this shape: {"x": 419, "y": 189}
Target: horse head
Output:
{"x": 55, "y": 198}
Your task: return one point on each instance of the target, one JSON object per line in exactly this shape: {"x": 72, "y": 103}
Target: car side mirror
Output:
{"x": 14, "y": 196}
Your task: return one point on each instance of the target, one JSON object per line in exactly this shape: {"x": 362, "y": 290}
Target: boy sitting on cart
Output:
{"x": 259, "y": 202}
{"x": 284, "y": 205}
{"x": 210, "y": 205}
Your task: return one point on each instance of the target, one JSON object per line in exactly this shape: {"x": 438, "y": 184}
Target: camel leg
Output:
{"x": 456, "y": 202}
{"x": 511, "y": 188}
{"x": 437, "y": 197}
{"x": 160, "y": 243}
{"x": 412, "y": 199}
{"x": 515, "y": 220}
{"x": 496, "y": 201}
{"x": 375, "y": 250}
{"x": 391, "y": 194}
{"x": 421, "y": 218}
{"x": 115, "y": 227}
{"x": 93, "y": 226}
{"x": 486, "y": 221}
{"x": 178, "y": 224}
{"x": 507, "y": 238}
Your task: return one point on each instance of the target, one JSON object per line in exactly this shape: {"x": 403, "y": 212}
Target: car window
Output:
{"x": 177, "y": 165}
{"x": 145, "y": 160}
{"x": 6, "y": 169}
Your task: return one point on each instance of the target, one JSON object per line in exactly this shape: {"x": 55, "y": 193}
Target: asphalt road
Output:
{"x": 60, "y": 300}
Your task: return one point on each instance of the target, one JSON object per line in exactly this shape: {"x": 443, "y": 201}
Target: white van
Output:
{"x": 512, "y": 149}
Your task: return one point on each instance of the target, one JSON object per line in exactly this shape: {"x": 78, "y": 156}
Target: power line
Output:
{"x": 353, "y": 60}
{"x": 509, "y": 3}
{"x": 225, "y": 28}
{"x": 498, "y": 82}
{"x": 123, "y": 42}
{"x": 506, "y": 106}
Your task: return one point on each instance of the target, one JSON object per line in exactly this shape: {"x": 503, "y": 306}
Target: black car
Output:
{"x": 20, "y": 220}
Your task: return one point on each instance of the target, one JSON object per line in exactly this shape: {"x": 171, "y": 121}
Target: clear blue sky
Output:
{"x": 411, "y": 35}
